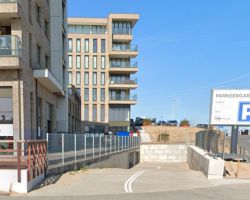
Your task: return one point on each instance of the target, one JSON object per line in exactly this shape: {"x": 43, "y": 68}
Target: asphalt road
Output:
{"x": 143, "y": 182}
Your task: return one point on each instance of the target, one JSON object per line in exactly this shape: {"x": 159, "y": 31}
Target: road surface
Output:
{"x": 143, "y": 182}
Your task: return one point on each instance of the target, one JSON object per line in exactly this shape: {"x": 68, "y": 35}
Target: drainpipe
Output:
{"x": 19, "y": 105}
{"x": 36, "y": 111}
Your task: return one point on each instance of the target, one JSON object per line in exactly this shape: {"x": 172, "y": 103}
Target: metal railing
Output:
{"x": 9, "y": 1}
{"x": 123, "y": 65}
{"x": 10, "y": 45}
{"x": 68, "y": 149}
{"x": 126, "y": 81}
{"x": 122, "y": 31}
{"x": 123, "y": 98}
{"x": 125, "y": 48}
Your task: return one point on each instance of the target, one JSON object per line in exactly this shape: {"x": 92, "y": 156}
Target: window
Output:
{"x": 94, "y": 45}
{"x": 86, "y": 45}
{"x": 6, "y": 105}
{"x": 94, "y": 62}
{"x": 47, "y": 62}
{"x": 86, "y": 62}
{"x": 30, "y": 48}
{"x": 102, "y": 94}
{"x": 94, "y": 112}
{"x": 103, "y": 62}
{"x": 86, "y": 112}
{"x": 78, "y": 62}
{"x": 70, "y": 61}
{"x": 94, "y": 94}
{"x": 86, "y": 78}
{"x": 30, "y": 9}
{"x": 86, "y": 94}
{"x": 38, "y": 14}
{"x": 78, "y": 78}
{"x": 94, "y": 78}
{"x": 102, "y": 78}
{"x": 38, "y": 55}
{"x": 70, "y": 45}
{"x": 102, "y": 112}
{"x": 103, "y": 46}
{"x": 70, "y": 77}
{"x": 46, "y": 28}
{"x": 78, "y": 45}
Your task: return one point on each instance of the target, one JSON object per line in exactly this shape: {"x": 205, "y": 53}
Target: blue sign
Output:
{"x": 244, "y": 112}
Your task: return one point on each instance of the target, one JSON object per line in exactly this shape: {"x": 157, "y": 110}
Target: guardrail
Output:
{"x": 123, "y": 98}
{"x": 21, "y": 154}
{"x": 68, "y": 149}
{"x": 10, "y": 45}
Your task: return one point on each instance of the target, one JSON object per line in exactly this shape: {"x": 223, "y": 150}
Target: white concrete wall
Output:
{"x": 163, "y": 153}
{"x": 9, "y": 181}
{"x": 198, "y": 160}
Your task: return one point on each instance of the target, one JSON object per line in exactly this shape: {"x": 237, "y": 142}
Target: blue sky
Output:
{"x": 185, "y": 49}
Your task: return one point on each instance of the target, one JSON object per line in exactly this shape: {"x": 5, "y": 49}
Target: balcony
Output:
{"x": 124, "y": 51}
{"x": 9, "y": 9}
{"x": 123, "y": 68}
{"x": 123, "y": 84}
{"x": 47, "y": 79}
{"x": 122, "y": 35}
{"x": 120, "y": 99}
{"x": 10, "y": 52}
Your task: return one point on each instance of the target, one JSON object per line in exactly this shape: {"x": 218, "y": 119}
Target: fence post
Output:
{"x": 93, "y": 139}
{"x": 19, "y": 161}
{"x": 85, "y": 142}
{"x": 115, "y": 144}
{"x": 100, "y": 145}
{"x": 75, "y": 146}
{"x": 118, "y": 140}
{"x": 110, "y": 143}
{"x": 122, "y": 142}
{"x": 105, "y": 141}
{"x": 125, "y": 142}
{"x": 62, "y": 150}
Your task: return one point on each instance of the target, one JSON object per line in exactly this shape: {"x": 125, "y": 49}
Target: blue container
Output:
{"x": 122, "y": 133}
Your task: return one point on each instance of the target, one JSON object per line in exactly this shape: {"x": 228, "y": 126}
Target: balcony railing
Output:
{"x": 123, "y": 65}
{"x": 9, "y": 1}
{"x": 123, "y": 98}
{"x": 125, "y": 48}
{"x": 122, "y": 31}
{"x": 126, "y": 81}
{"x": 10, "y": 45}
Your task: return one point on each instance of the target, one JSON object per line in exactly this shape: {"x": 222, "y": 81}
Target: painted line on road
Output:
{"x": 128, "y": 183}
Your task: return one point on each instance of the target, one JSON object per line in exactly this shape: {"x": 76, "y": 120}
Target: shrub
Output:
{"x": 163, "y": 137}
{"x": 185, "y": 123}
{"x": 147, "y": 122}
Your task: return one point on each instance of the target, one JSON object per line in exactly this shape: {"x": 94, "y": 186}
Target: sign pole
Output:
{"x": 234, "y": 140}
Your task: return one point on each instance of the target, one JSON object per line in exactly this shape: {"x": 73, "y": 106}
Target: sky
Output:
{"x": 186, "y": 48}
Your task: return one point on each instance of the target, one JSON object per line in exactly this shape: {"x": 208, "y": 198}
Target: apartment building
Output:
{"x": 101, "y": 65}
{"x": 33, "y": 68}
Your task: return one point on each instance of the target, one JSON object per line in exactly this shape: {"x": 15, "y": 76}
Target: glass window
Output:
{"x": 86, "y": 94}
{"x": 102, "y": 94}
{"x": 86, "y": 45}
{"x": 103, "y": 46}
{"x": 102, "y": 78}
{"x": 103, "y": 62}
{"x": 70, "y": 45}
{"x": 78, "y": 62}
{"x": 94, "y": 95}
{"x": 94, "y": 112}
{"x": 102, "y": 112}
{"x": 70, "y": 77}
{"x": 86, "y": 78}
{"x": 78, "y": 45}
{"x": 94, "y": 45}
{"x": 94, "y": 78}
{"x": 94, "y": 62}
{"x": 70, "y": 61}
{"x": 6, "y": 105}
{"x": 86, "y": 112}
{"x": 86, "y": 62}
{"x": 78, "y": 78}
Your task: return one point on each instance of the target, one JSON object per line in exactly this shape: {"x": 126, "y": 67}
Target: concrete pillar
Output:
{"x": 234, "y": 140}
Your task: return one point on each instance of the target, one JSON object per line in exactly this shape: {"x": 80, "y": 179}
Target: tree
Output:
{"x": 185, "y": 123}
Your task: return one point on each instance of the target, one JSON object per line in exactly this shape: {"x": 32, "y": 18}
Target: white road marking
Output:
{"x": 128, "y": 183}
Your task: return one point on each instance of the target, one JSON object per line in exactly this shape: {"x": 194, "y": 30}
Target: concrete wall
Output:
{"x": 9, "y": 183}
{"x": 163, "y": 153}
{"x": 213, "y": 168}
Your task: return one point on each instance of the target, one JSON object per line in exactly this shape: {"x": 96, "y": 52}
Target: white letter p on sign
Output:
{"x": 245, "y": 111}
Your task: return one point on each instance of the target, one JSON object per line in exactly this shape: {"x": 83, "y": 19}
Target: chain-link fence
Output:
{"x": 67, "y": 149}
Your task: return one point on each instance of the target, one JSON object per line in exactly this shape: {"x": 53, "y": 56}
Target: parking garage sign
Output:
{"x": 230, "y": 107}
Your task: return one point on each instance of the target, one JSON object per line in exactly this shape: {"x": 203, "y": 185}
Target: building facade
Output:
{"x": 74, "y": 110}
{"x": 33, "y": 68}
{"x": 100, "y": 56}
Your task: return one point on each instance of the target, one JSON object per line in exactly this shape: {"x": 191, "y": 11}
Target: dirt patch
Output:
{"x": 243, "y": 171}
{"x": 176, "y": 134}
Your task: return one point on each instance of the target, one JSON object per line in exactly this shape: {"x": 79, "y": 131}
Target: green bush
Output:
{"x": 163, "y": 137}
